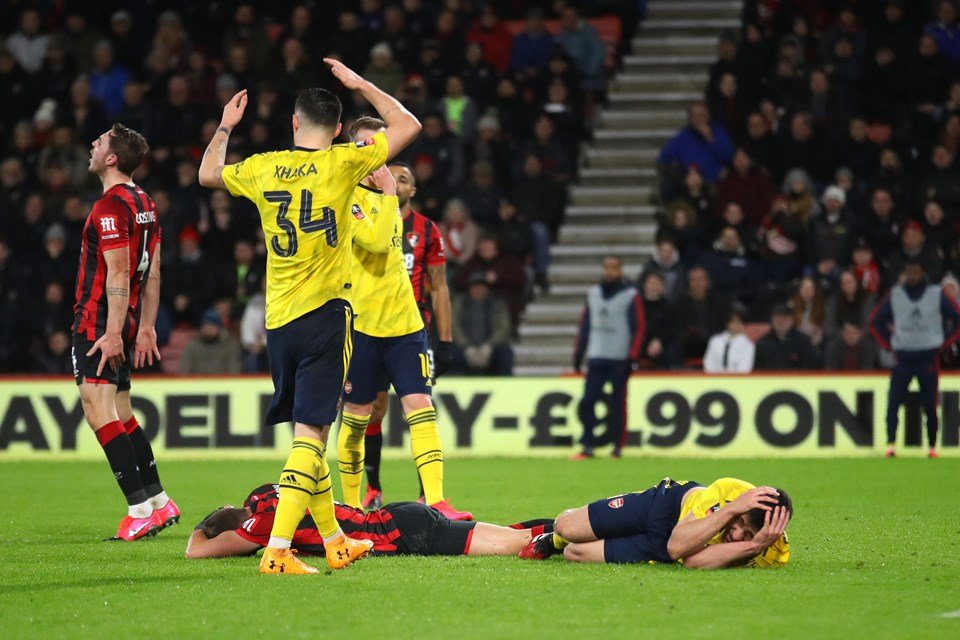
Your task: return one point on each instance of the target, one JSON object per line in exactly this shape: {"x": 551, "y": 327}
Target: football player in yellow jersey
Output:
{"x": 390, "y": 347}
{"x": 729, "y": 523}
{"x": 304, "y": 197}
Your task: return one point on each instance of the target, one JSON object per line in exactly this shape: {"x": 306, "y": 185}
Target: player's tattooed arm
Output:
{"x": 440, "y": 294}
{"x": 215, "y": 156}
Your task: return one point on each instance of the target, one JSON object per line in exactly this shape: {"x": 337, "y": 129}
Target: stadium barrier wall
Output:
{"x": 668, "y": 415}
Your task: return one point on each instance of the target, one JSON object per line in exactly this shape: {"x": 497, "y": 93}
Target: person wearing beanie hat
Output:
{"x": 213, "y": 351}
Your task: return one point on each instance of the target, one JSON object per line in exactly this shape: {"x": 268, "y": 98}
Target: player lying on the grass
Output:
{"x": 399, "y": 528}
{"x": 729, "y": 523}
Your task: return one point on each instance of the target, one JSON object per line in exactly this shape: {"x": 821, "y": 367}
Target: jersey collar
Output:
{"x": 363, "y": 186}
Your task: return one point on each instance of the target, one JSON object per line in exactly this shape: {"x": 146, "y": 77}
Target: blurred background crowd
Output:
{"x": 821, "y": 159}
{"x": 506, "y": 92}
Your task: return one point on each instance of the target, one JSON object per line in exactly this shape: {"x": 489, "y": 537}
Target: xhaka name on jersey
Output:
{"x": 281, "y": 172}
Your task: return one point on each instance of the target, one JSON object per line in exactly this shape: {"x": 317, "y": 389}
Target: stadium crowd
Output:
{"x": 821, "y": 160}
{"x": 503, "y": 114}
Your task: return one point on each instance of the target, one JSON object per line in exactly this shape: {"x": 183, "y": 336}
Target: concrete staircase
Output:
{"x": 611, "y": 210}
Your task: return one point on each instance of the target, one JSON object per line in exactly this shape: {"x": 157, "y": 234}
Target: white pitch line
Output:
{"x": 951, "y": 614}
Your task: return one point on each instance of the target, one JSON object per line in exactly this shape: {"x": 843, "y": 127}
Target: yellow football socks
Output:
{"x": 558, "y": 542}
{"x": 321, "y": 505}
{"x": 427, "y": 452}
{"x": 350, "y": 456}
{"x": 298, "y": 481}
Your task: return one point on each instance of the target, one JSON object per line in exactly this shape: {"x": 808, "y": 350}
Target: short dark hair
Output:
{"x": 755, "y": 516}
{"x": 319, "y": 107}
{"x": 223, "y": 519}
{"x": 129, "y": 146}
{"x": 366, "y": 122}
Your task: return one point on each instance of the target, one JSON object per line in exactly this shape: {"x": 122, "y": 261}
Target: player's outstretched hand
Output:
{"x": 110, "y": 346}
{"x": 347, "y": 76}
{"x": 145, "y": 349}
{"x": 757, "y": 498}
{"x": 233, "y": 110}
{"x": 774, "y": 524}
{"x": 384, "y": 181}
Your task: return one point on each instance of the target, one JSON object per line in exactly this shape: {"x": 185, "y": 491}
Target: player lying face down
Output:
{"x": 399, "y": 528}
{"x": 729, "y": 523}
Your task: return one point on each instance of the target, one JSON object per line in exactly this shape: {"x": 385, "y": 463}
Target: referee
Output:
{"x": 910, "y": 320}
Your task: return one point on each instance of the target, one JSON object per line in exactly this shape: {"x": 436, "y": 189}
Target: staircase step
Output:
{"x": 695, "y": 25}
{"x": 676, "y": 45}
{"x": 543, "y": 355}
{"x": 659, "y": 81}
{"x": 632, "y": 139}
{"x": 578, "y": 234}
{"x": 610, "y": 195}
{"x": 613, "y": 176}
{"x": 634, "y": 119}
{"x": 638, "y": 99}
{"x": 695, "y": 9}
{"x": 638, "y": 213}
{"x": 534, "y": 332}
{"x": 612, "y": 157}
{"x": 677, "y": 63}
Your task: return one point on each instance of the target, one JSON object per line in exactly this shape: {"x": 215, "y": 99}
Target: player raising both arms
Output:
{"x": 118, "y": 291}
{"x": 304, "y": 197}
{"x": 426, "y": 265}
{"x": 730, "y": 523}
{"x": 390, "y": 347}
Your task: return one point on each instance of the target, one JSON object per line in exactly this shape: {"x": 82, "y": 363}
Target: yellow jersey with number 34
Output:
{"x": 383, "y": 305}
{"x": 304, "y": 197}
{"x": 713, "y": 497}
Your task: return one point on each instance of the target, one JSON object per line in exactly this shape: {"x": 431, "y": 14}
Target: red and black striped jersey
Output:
{"x": 422, "y": 248}
{"x": 378, "y": 526}
{"x": 123, "y": 217}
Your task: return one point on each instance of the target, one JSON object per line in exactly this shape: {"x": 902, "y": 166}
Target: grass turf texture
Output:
{"x": 875, "y": 554}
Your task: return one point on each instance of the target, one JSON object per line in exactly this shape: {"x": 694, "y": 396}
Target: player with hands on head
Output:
{"x": 117, "y": 296}
{"x": 729, "y": 523}
{"x": 304, "y": 197}
{"x": 391, "y": 346}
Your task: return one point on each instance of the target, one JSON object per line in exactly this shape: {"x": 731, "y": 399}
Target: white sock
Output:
{"x": 336, "y": 535}
{"x": 158, "y": 501}
{"x": 278, "y": 543}
{"x": 141, "y": 510}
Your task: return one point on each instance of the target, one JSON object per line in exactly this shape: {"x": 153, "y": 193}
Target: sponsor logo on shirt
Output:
{"x": 369, "y": 142}
{"x": 357, "y": 212}
{"x": 616, "y": 503}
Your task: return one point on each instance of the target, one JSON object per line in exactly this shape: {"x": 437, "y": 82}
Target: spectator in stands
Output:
{"x": 55, "y": 313}
{"x": 582, "y": 42}
{"x": 829, "y": 236}
{"x": 760, "y": 143}
{"x": 537, "y": 197}
{"x": 680, "y": 221}
{"x": 944, "y": 30}
{"x": 805, "y": 149}
{"x": 28, "y": 45}
{"x": 459, "y": 109}
{"x": 107, "y": 79}
{"x": 57, "y": 264}
{"x": 784, "y": 348}
{"x": 857, "y": 151}
{"x": 732, "y": 271}
{"x": 660, "y": 344}
{"x": 460, "y": 235}
{"x": 493, "y": 37}
{"x": 490, "y": 146}
{"x": 52, "y": 357}
{"x": 63, "y": 151}
{"x": 781, "y": 242}
{"x": 382, "y": 70}
{"x": 914, "y": 247}
{"x": 505, "y": 275}
{"x": 666, "y": 261}
{"x": 850, "y": 351}
{"x": 941, "y": 181}
{"x": 728, "y": 61}
{"x": 881, "y": 224}
{"x": 253, "y": 332}
{"x": 700, "y": 313}
{"x": 482, "y": 195}
{"x": 187, "y": 288}
{"x": 556, "y": 160}
{"x": 950, "y": 354}
{"x": 213, "y": 351}
{"x": 731, "y": 351}
{"x": 939, "y": 232}
{"x": 442, "y": 146}
{"x": 864, "y": 267}
{"x": 531, "y": 48}
{"x": 849, "y": 303}
{"x": 695, "y": 192}
{"x": 702, "y": 143}
{"x": 748, "y": 186}
{"x": 809, "y": 310}
{"x": 481, "y": 330}
{"x": 479, "y": 77}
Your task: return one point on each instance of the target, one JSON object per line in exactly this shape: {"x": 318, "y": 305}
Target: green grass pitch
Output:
{"x": 875, "y": 555}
